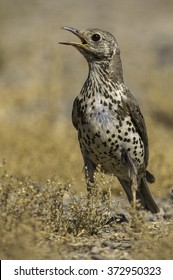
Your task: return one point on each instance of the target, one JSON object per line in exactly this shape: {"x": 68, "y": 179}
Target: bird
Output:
{"x": 111, "y": 129}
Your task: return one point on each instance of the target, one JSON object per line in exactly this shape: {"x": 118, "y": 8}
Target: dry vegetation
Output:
{"x": 44, "y": 209}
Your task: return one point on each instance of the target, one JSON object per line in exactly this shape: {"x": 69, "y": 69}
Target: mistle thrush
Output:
{"x": 111, "y": 128}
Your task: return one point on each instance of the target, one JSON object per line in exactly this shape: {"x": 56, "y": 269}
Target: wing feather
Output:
{"x": 132, "y": 108}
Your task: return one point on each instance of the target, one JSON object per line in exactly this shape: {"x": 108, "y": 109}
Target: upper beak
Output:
{"x": 78, "y": 33}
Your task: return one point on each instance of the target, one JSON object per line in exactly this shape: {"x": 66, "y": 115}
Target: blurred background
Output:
{"x": 39, "y": 80}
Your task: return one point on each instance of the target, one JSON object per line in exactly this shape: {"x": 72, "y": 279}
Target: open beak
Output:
{"x": 79, "y": 34}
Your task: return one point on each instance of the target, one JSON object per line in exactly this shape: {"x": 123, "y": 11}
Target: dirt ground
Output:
{"x": 44, "y": 210}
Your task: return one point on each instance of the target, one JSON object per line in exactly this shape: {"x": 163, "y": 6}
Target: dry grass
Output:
{"x": 44, "y": 209}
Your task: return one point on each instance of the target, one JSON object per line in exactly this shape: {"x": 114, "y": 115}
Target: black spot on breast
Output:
{"x": 110, "y": 106}
{"x": 128, "y": 123}
{"x": 97, "y": 134}
{"x": 114, "y": 101}
{"x": 106, "y": 95}
{"x": 105, "y": 144}
{"x": 93, "y": 101}
{"x": 117, "y": 147}
{"x": 134, "y": 140}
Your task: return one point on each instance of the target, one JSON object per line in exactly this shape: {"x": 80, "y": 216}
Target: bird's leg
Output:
{"x": 132, "y": 170}
{"x": 89, "y": 176}
{"x": 89, "y": 169}
{"x": 134, "y": 186}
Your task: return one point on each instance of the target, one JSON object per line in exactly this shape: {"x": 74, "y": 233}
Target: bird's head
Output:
{"x": 95, "y": 44}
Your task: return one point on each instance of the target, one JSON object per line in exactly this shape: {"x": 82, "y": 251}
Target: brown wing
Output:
{"x": 75, "y": 113}
{"x": 132, "y": 108}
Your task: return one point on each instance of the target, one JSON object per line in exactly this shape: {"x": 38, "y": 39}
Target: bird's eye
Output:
{"x": 96, "y": 37}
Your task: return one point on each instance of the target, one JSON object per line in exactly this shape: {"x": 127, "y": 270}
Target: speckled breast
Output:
{"x": 103, "y": 133}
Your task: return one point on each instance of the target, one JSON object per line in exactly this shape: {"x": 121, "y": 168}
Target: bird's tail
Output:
{"x": 143, "y": 195}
